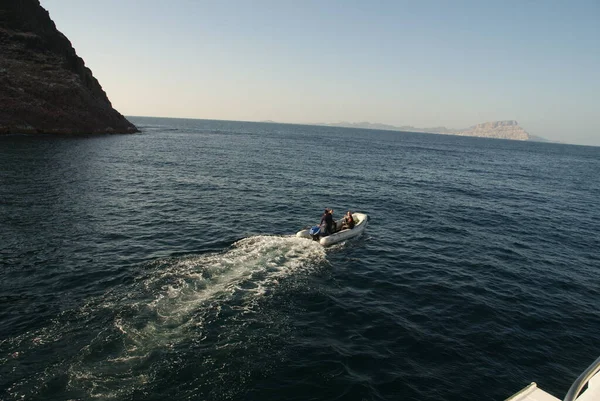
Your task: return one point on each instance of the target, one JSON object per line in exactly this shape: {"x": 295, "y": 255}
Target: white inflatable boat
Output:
{"x": 360, "y": 220}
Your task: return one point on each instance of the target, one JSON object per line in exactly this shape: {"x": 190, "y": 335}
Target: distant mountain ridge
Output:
{"x": 507, "y": 129}
{"x": 405, "y": 128}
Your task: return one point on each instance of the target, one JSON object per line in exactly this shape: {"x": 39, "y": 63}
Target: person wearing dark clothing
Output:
{"x": 327, "y": 218}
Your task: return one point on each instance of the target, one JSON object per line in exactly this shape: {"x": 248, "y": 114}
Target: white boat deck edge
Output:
{"x": 532, "y": 393}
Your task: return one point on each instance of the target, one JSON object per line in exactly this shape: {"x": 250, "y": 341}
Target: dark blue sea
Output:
{"x": 163, "y": 265}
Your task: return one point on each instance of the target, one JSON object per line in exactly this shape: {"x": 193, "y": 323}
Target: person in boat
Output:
{"x": 348, "y": 221}
{"x": 327, "y": 220}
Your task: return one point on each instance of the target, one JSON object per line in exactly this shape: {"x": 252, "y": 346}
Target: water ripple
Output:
{"x": 162, "y": 265}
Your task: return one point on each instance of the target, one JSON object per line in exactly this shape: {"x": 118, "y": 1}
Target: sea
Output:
{"x": 164, "y": 265}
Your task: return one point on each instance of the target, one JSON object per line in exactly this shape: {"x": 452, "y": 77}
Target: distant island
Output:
{"x": 508, "y": 129}
{"x": 44, "y": 86}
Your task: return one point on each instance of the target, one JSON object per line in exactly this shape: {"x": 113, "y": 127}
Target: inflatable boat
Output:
{"x": 339, "y": 235}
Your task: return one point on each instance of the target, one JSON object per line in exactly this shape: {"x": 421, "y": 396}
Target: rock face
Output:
{"x": 44, "y": 86}
{"x": 497, "y": 129}
{"x": 509, "y": 129}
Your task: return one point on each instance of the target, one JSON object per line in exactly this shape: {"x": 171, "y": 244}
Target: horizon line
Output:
{"x": 370, "y": 129}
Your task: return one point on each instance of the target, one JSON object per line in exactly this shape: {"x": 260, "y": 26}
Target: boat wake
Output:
{"x": 191, "y": 301}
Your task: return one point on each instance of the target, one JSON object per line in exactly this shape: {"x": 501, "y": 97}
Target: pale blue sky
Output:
{"x": 420, "y": 63}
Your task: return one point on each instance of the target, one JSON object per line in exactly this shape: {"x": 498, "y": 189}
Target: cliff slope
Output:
{"x": 497, "y": 129}
{"x": 44, "y": 86}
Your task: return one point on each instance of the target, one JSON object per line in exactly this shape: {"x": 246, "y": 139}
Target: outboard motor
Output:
{"x": 315, "y": 233}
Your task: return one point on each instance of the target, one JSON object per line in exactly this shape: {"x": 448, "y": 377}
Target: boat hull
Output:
{"x": 361, "y": 220}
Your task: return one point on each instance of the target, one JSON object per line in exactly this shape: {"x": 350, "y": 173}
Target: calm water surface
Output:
{"x": 163, "y": 264}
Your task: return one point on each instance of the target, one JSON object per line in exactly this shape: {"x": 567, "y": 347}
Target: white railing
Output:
{"x": 582, "y": 380}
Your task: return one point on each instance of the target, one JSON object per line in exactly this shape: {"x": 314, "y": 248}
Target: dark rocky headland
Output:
{"x": 44, "y": 86}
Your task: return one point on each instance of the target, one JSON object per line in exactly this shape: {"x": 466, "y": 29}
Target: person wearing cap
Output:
{"x": 327, "y": 218}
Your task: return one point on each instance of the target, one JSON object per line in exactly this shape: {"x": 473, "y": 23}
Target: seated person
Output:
{"x": 348, "y": 221}
{"x": 327, "y": 218}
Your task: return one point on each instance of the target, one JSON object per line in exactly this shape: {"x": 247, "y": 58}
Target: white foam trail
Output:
{"x": 247, "y": 269}
{"x": 176, "y": 298}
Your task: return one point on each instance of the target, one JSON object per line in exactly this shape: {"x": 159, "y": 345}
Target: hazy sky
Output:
{"x": 420, "y": 63}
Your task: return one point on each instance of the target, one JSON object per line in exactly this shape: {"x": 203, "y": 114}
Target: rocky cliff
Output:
{"x": 497, "y": 129}
{"x": 44, "y": 86}
{"x": 509, "y": 129}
